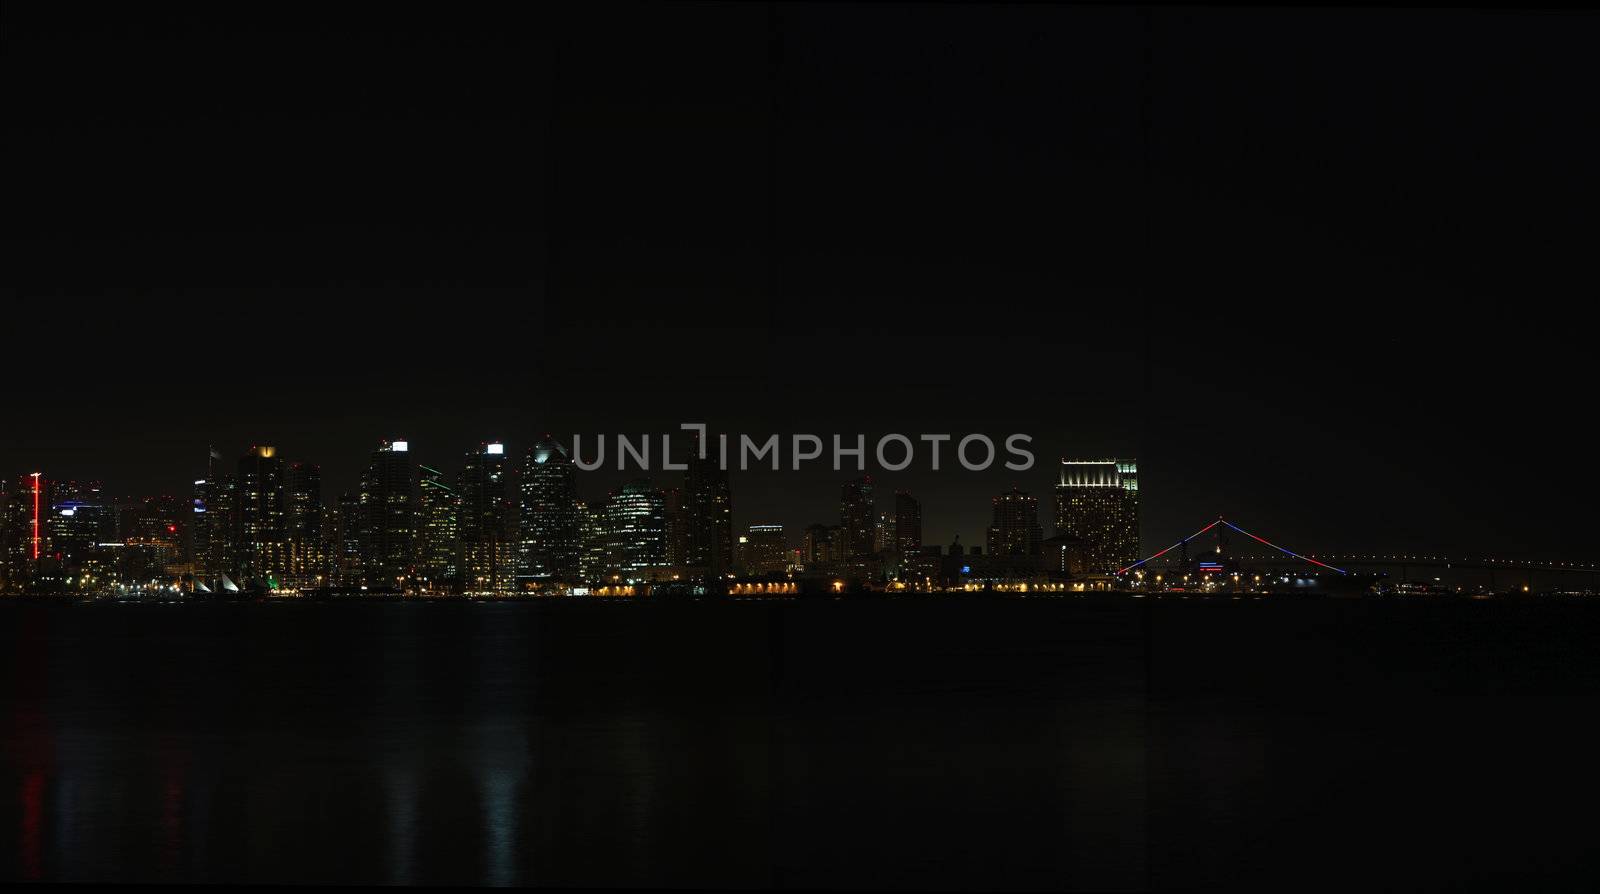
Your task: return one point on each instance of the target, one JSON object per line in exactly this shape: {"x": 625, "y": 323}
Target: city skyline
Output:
{"x": 507, "y": 521}
{"x": 953, "y": 518}
{"x": 510, "y": 523}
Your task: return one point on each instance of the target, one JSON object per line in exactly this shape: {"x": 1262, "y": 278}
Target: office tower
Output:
{"x": 437, "y": 550}
{"x": 223, "y": 494}
{"x": 857, "y": 518}
{"x": 636, "y": 528}
{"x": 907, "y": 524}
{"x": 596, "y": 549}
{"x": 1097, "y": 504}
{"x": 259, "y": 518}
{"x": 708, "y": 502}
{"x": 1014, "y": 533}
{"x": 388, "y": 506}
{"x": 22, "y": 531}
{"x": 342, "y": 533}
{"x": 302, "y": 501}
{"x": 79, "y": 517}
{"x": 211, "y": 523}
{"x": 763, "y": 551}
{"x": 549, "y": 520}
{"x": 485, "y": 524}
{"x": 883, "y": 541}
{"x": 676, "y": 514}
{"x": 200, "y": 528}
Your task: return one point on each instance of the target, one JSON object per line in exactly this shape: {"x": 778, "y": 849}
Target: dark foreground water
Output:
{"x": 955, "y": 743}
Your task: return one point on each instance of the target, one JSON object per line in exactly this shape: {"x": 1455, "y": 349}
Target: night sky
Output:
{"x": 1322, "y": 271}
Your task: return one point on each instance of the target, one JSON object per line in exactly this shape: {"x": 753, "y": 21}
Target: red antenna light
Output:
{"x": 36, "y": 515}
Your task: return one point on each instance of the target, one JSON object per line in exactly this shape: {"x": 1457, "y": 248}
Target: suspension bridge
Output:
{"x": 1353, "y": 564}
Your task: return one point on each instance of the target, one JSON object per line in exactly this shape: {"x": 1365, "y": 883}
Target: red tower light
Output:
{"x": 36, "y": 515}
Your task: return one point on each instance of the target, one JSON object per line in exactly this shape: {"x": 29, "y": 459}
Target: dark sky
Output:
{"x": 1321, "y": 271}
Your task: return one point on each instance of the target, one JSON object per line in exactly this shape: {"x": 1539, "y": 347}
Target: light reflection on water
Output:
{"x": 1024, "y": 746}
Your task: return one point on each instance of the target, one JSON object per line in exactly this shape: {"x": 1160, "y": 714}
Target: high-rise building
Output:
{"x": 676, "y": 513}
{"x": 215, "y": 545}
{"x": 486, "y": 524}
{"x": 23, "y": 530}
{"x": 437, "y": 549}
{"x": 596, "y": 550}
{"x": 342, "y": 540}
{"x": 302, "y": 503}
{"x": 907, "y": 524}
{"x": 78, "y": 518}
{"x": 883, "y": 541}
{"x": 636, "y": 528}
{"x": 1097, "y": 505}
{"x": 387, "y": 503}
{"x": 857, "y": 518}
{"x": 708, "y": 502}
{"x": 1014, "y": 533}
{"x": 550, "y": 530}
{"x": 199, "y": 527}
{"x": 762, "y": 551}
{"x": 260, "y": 536}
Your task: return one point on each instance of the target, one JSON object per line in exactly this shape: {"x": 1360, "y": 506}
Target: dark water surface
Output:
{"x": 936, "y": 743}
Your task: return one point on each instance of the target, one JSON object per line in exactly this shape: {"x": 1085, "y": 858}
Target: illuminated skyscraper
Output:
{"x": 636, "y": 527}
{"x": 486, "y": 523}
{"x": 215, "y": 549}
{"x": 341, "y": 537}
{"x": 857, "y": 518}
{"x": 596, "y": 550}
{"x": 199, "y": 527}
{"x": 260, "y": 535}
{"x": 677, "y": 521}
{"x": 302, "y": 489}
{"x": 708, "y": 502}
{"x": 907, "y": 524}
{"x": 1097, "y": 505}
{"x": 22, "y": 531}
{"x": 550, "y": 535}
{"x": 437, "y": 550}
{"x": 388, "y": 516}
{"x": 77, "y": 516}
{"x": 1014, "y": 533}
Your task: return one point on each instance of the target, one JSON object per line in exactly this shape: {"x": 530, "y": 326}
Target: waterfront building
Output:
{"x": 762, "y": 551}
{"x": 486, "y": 524}
{"x": 550, "y": 536}
{"x": 636, "y": 529}
{"x": 436, "y": 539}
{"x": 387, "y": 506}
{"x": 1097, "y": 504}
{"x": 1014, "y": 532}
{"x": 302, "y": 488}
{"x": 857, "y": 519}
{"x": 259, "y": 518}
{"x": 708, "y": 504}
